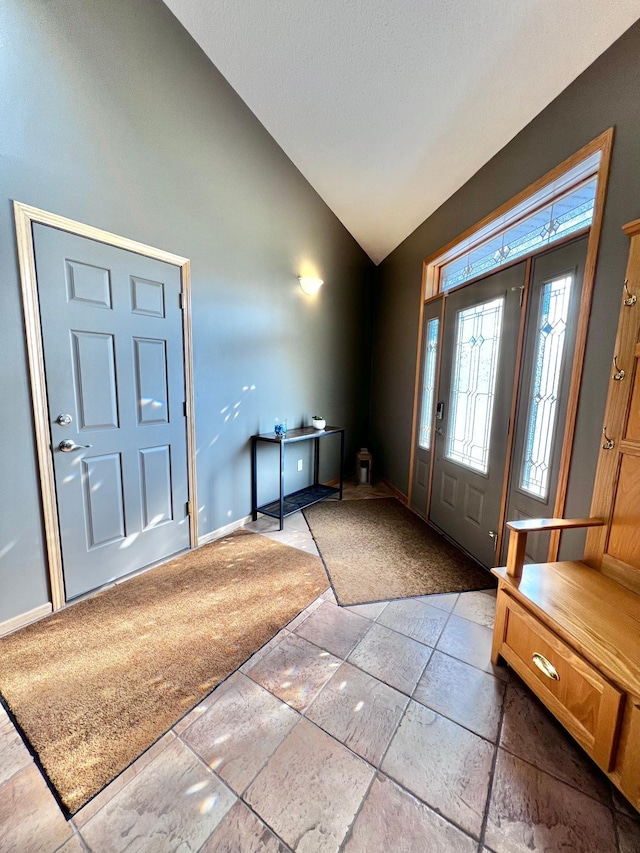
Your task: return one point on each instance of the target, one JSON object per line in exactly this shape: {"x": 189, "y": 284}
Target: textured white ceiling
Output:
{"x": 388, "y": 106}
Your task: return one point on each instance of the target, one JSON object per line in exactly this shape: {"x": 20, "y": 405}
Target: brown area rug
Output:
{"x": 377, "y": 550}
{"x": 94, "y": 685}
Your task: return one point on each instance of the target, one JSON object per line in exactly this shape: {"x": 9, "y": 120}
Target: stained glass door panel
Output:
{"x": 554, "y": 304}
{"x": 426, "y": 403}
{"x": 480, "y": 337}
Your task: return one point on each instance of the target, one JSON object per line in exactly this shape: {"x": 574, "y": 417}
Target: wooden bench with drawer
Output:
{"x": 571, "y": 629}
{"x": 572, "y": 634}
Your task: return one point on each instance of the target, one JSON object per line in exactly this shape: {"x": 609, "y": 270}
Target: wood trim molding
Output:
{"x": 25, "y": 216}
{"x": 35, "y": 354}
{"x": 600, "y": 143}
{"x": 632, "y": 228}
{"x": 43, "y": 217}
{"x": 185, "y": 274}
{"x": 593, "y": 245}
{"x": 396, "y": 492}
{"x": 225, "y": 530}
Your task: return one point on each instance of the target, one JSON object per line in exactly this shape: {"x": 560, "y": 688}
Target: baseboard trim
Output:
{"x": 223, "y": 531}
{"x": 23, "y": 619}
{"x": 397, "y": 493}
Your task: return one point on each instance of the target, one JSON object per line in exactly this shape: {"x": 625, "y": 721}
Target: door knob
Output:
{"x": 68, "y": 445}
{"x": 439, "y": 431}
{"x": 64, "y": 420}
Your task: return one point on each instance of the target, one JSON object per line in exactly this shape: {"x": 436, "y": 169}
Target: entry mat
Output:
{"x": 375, "y": 550}
{"x": 92, "y": 686}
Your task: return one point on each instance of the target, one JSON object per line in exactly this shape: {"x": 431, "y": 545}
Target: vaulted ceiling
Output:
{"x": 388, "y": 106}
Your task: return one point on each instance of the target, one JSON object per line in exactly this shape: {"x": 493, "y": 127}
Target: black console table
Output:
{"x": 288, "y": 504}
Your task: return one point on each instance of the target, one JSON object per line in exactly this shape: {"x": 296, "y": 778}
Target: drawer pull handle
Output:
{"x": 545, "y": 666}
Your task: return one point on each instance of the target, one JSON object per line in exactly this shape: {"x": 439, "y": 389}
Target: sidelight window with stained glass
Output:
{"x": 428, "y": 383}
{"x": 548, "y": 358}
{"x": 567, "y": 214}
{"x": 473, "y": 386}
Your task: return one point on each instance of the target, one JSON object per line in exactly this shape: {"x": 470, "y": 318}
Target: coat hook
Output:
{"x": 630, "y": 297}
{"x": 608, "y": 442}
{"x": 619, "y": 374}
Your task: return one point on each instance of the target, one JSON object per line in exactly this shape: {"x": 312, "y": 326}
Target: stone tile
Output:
{"x": 360, "y": 711}
{"x": 443, "y": 764}
{"x": 532, "y": 733}
{"x": 370, "y": 611}
{"x": 240, "y": 731}
{"x": 462, "y": 693}
{"x": 14, "y": 755}
{"x": 471, "y": 643}
{"x": 106, "y": 794}
{"x": 29, "y": 816}
{"x": 531, "y": 812}
{"x": 415, "y": 619}
{"x": 296, "y": 533}
{"x": 74, "y": 845}
{"x": 299, "y": 619}
{"x": 296, "y": 521}
{"x": 477, "y": 607}
{"x": 174, "y": 803}
{"x": 265, "y": 524}
{"x": 295, "y": 539}
{"x": 443, "y": 601}
{"x": 310, "y": 790}
{"x": 264, "y": 651}
{"x": 392, "y": 820}
{"x": 628, "y": 833}
{"x": 330, "y": 596}
{"x": 333, "y": 628}
{"x": 295, "y": 671}
{"x": 310, "y": 547}
{"x": 241, "y": 832}
{"x": 391, "y": 657}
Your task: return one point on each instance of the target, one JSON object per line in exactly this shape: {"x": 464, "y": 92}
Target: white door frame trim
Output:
{"x": 25, "y": 217}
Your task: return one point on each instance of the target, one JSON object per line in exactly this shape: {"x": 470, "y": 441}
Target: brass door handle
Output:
{"x": 545, "y": 666}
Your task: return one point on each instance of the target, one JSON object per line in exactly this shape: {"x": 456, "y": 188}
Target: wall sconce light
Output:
{"x": 310, "y": 285}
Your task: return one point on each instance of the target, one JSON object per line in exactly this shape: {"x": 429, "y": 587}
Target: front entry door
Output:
{"x": 114, "y": 368}
{"x": 479, "y": 346}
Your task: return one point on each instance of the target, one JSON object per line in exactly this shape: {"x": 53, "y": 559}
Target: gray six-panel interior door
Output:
{"x": 114, "y": 366}
{"x": 465, "y": 501}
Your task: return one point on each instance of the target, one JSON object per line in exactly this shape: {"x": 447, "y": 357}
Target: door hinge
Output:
{"x": 521, "y": 289}
{"x": 181, "y": 300}
{"x": 184, "y": 408}
{"x": 188, "y": 509}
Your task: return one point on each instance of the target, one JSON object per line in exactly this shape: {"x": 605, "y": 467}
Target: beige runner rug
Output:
{"x": 92, "y": 686}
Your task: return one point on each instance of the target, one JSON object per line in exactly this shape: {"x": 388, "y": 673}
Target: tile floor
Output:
{"x": 381, "y": 727}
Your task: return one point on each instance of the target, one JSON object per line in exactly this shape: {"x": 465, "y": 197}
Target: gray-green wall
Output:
{"x": 606, "y": 94}
{"x": 111, "y": 115}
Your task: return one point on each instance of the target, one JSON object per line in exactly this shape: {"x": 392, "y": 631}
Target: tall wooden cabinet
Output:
{"x": 571, "y": 629}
